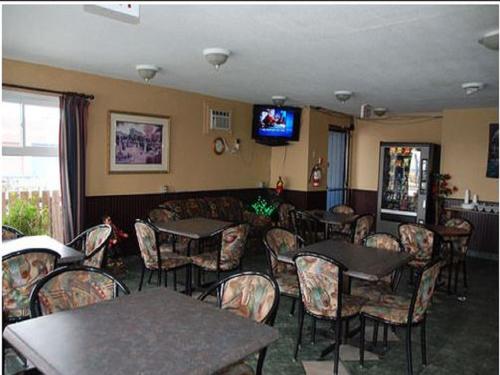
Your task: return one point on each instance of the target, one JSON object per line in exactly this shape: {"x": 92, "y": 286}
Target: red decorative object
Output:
{"x": 280, "y": 186}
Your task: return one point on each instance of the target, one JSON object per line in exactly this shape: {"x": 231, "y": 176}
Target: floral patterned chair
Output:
{"x": 228, "y": 256}
{"x": 361, "y": 227}
{"x": 399, "y": 311}
{"x": 10, "y": 233}
{"x": 341, "y": 209}
{"x": 307, "y": 227}
{"x": 167, "y": 241}
{"x": 419, "y": 242}
{"x": 277, "y": 241}
{"x": 286, "y": 216}
{"x": 69, "y": 288}
{"x": 251, "y": 295}
{"x": 158, "y": 258}
{"x": 21, "y": 272}
{"x": 320, "y": 281}
{"x": 456, "y": 254}
{"x": 94, "y": 244}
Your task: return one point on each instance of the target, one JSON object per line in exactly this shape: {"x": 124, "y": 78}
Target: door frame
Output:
{"x": 347, "y": 153}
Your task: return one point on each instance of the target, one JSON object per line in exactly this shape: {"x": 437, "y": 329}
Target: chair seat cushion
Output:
{"x": 418, "y": 263}
{"x": 390, "y": 307}
{"x": 372, "y": 291}
{"x": 170, "y": 260}
{"x": 240, "y": 368}
{"x": 208, "y": 261}
{"x": 288, "y": 284}
{"x": 351, "y": 305}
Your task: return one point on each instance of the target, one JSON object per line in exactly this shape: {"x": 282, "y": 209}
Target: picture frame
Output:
{"x": 138, "y": 143}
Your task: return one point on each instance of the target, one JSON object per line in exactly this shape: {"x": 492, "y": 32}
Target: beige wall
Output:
{"x": 366, "y": 140}
{"x": 193, "y": 165}
{"x": 464, "y": 151}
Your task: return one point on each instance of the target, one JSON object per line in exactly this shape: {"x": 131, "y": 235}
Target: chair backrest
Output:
{"x": 161, "y": 215}
{"x": 320, "y": 281}
{"x": 417, "y": 240}
{"x": 306, "y": 226}
{"x": 285, "y": 218}
{"x": 95, "y": 244}
{"x": 422, "y": 296}
{"x": 21, "y": 271}
{"x": 278, "y": 241}
{"x": 252, "y": 295}
{"x": 384, "y": 241}
{"x": 362, "y": 227}
{"x": 461, "y": 243}
{"x": 148, "y": 244}
{"x": 233, "y": 244}
{"x": 341, "y": 209}
{"x": 69, "y": 288}
{"x": 10, "y": 233}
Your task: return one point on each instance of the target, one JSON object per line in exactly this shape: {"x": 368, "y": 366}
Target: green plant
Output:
{"x": 26, "y": 216}
{"x": 263, "y": 207}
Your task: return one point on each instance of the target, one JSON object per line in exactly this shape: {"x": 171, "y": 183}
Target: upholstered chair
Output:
{"x": 93, "y": 243}
{"x": 251, "y": 295}
{"x": 405, "y": 312}
{"x": 419, "y": 242}
{"x": 320, "y": 281}
{"x": 285, "y": 216}
{"x": 228, "y": 256}
{"x": 362, "y": 227}
{"x": 69, "y": 288}
{"x": 341, "y": 209}
{"x": 10, "y": 233}
{"x": 278, "y": 241}
{"x": 307, "y": 227}
{"x": 168, "y": 242}
{"x": 157, "y": 258}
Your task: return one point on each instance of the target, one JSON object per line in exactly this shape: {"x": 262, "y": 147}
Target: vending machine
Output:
{"x": 405, "y": 183}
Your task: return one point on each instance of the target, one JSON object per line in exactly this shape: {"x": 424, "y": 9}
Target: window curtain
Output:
{"x": 72, "y": 134}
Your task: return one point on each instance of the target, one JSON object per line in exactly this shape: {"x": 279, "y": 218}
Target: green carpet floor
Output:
{"x": 462, "y": 337}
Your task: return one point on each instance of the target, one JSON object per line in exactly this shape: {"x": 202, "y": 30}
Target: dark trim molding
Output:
{"x": 363, "y": 201}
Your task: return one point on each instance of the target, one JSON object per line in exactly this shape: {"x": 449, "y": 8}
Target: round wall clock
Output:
{"x": 219, "y": 146}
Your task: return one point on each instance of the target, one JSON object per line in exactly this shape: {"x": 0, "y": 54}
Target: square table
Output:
{"x": 67, "y": 253}
{"x": 333, "y": 218}
{"x": 155, "y": 331}
{"x": 362, "y": 262}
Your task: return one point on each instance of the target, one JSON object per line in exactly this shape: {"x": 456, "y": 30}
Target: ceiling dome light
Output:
{"x": 216, "y": 56}
{"x": 490, "y": 40}
{"x": 343, "y": 95}
{"x": 380, "y": 111}
{"x": 472, "y": 88}
{"x": 147, "y": 71}
{"x": 279, "y": 100}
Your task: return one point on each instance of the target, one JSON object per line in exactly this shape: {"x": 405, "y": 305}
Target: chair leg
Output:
{"x": 375, "y": 333}
{"x": 464, "y": 270}
{"x": 457, "y": 270}
{"x": 450, "y": 271}
{"x": 260, "y": 361}
{"x": 299, "y": 336}
{"x": 313, "y": 332}
{"x": 142, "y": 277}
{"x": 188, "y": 279}
{"x": 159, "y": 276}
{"x": 408, "y": 351}
{"x": 166, "y": 278}
{"x": 175, "y": 280}
{"x": 386, "y": 331}
{"x": 423, "y": 343}
{"x": 150, "y": 277}
{"x": 346, "y": 330}
{"x": 294, "y": 301}
{"x": 362, "y": 340}
{"x": 338, "y": 329}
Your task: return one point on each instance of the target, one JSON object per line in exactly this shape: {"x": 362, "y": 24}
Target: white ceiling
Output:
{"x": 409, "y": 58}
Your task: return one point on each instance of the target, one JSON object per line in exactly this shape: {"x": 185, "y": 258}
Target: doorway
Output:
{"x": 337, "y": 166}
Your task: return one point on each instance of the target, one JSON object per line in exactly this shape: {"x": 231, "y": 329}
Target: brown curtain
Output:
{"x": 72, "y": 139}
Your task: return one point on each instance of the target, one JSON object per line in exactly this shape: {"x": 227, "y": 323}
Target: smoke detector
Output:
{"x": 472, "y": 88}
{"x": 279, "y": 100}
{"x": 490, "y": 40}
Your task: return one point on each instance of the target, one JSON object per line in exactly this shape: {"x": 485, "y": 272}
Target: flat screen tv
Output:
{"x": 274, "y": 125}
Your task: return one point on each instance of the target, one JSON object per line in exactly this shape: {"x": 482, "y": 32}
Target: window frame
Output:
{"x": 24, "y": 98}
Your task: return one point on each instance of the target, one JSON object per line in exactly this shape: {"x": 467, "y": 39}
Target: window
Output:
{"x": 30, "y": 142}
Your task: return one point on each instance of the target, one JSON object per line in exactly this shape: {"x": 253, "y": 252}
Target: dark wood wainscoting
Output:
{"x": 363, "y": 201}
{"x": 306, "y": 200}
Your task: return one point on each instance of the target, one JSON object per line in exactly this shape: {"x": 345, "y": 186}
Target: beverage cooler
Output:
{"x": 405, "y": 184}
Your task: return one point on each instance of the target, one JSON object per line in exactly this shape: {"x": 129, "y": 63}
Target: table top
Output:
{"x": 333, "y": 217}
{"x": 362, "y": 262}
{"x": 194, "y": 228}
{"x": 156, "y": 331}
{"x": 68, "y": 254}
{"x": 447, "y": 232}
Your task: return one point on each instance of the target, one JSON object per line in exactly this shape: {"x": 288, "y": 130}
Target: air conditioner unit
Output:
{"x": 220, "y": 120}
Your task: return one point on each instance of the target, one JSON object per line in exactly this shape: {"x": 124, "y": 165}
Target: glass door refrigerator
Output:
{"x": 405, "y": 184}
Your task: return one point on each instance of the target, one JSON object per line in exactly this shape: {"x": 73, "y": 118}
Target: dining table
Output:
{"x": 156, "y": 331}
{"x": 333, "y": 218}
{"x": 67, "y": 253}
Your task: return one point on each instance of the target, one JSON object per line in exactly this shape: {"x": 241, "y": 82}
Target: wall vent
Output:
{"x": 220, "y": 120}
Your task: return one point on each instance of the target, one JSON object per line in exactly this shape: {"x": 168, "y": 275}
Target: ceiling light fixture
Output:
{"x": 380, "y": 111}
{"x": 343, "y": 95}
{"x": 472, "y": 88}
{"x": 216, "y": 56}
{"x": 490, "y": 40}
{"x": 279, "y": 100}
{"x": 147, "y": 71}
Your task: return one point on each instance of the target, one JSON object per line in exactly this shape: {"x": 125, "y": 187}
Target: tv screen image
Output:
{"x": 275, "y": 122}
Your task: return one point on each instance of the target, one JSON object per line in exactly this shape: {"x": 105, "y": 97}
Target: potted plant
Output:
{"x": 27, "y": 217}
{"x": 441, "y": 190}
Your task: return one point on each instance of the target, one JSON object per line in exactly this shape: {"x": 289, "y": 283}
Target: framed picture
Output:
{"x": 492, "y": 167}
{"x": 138, "y": 143}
